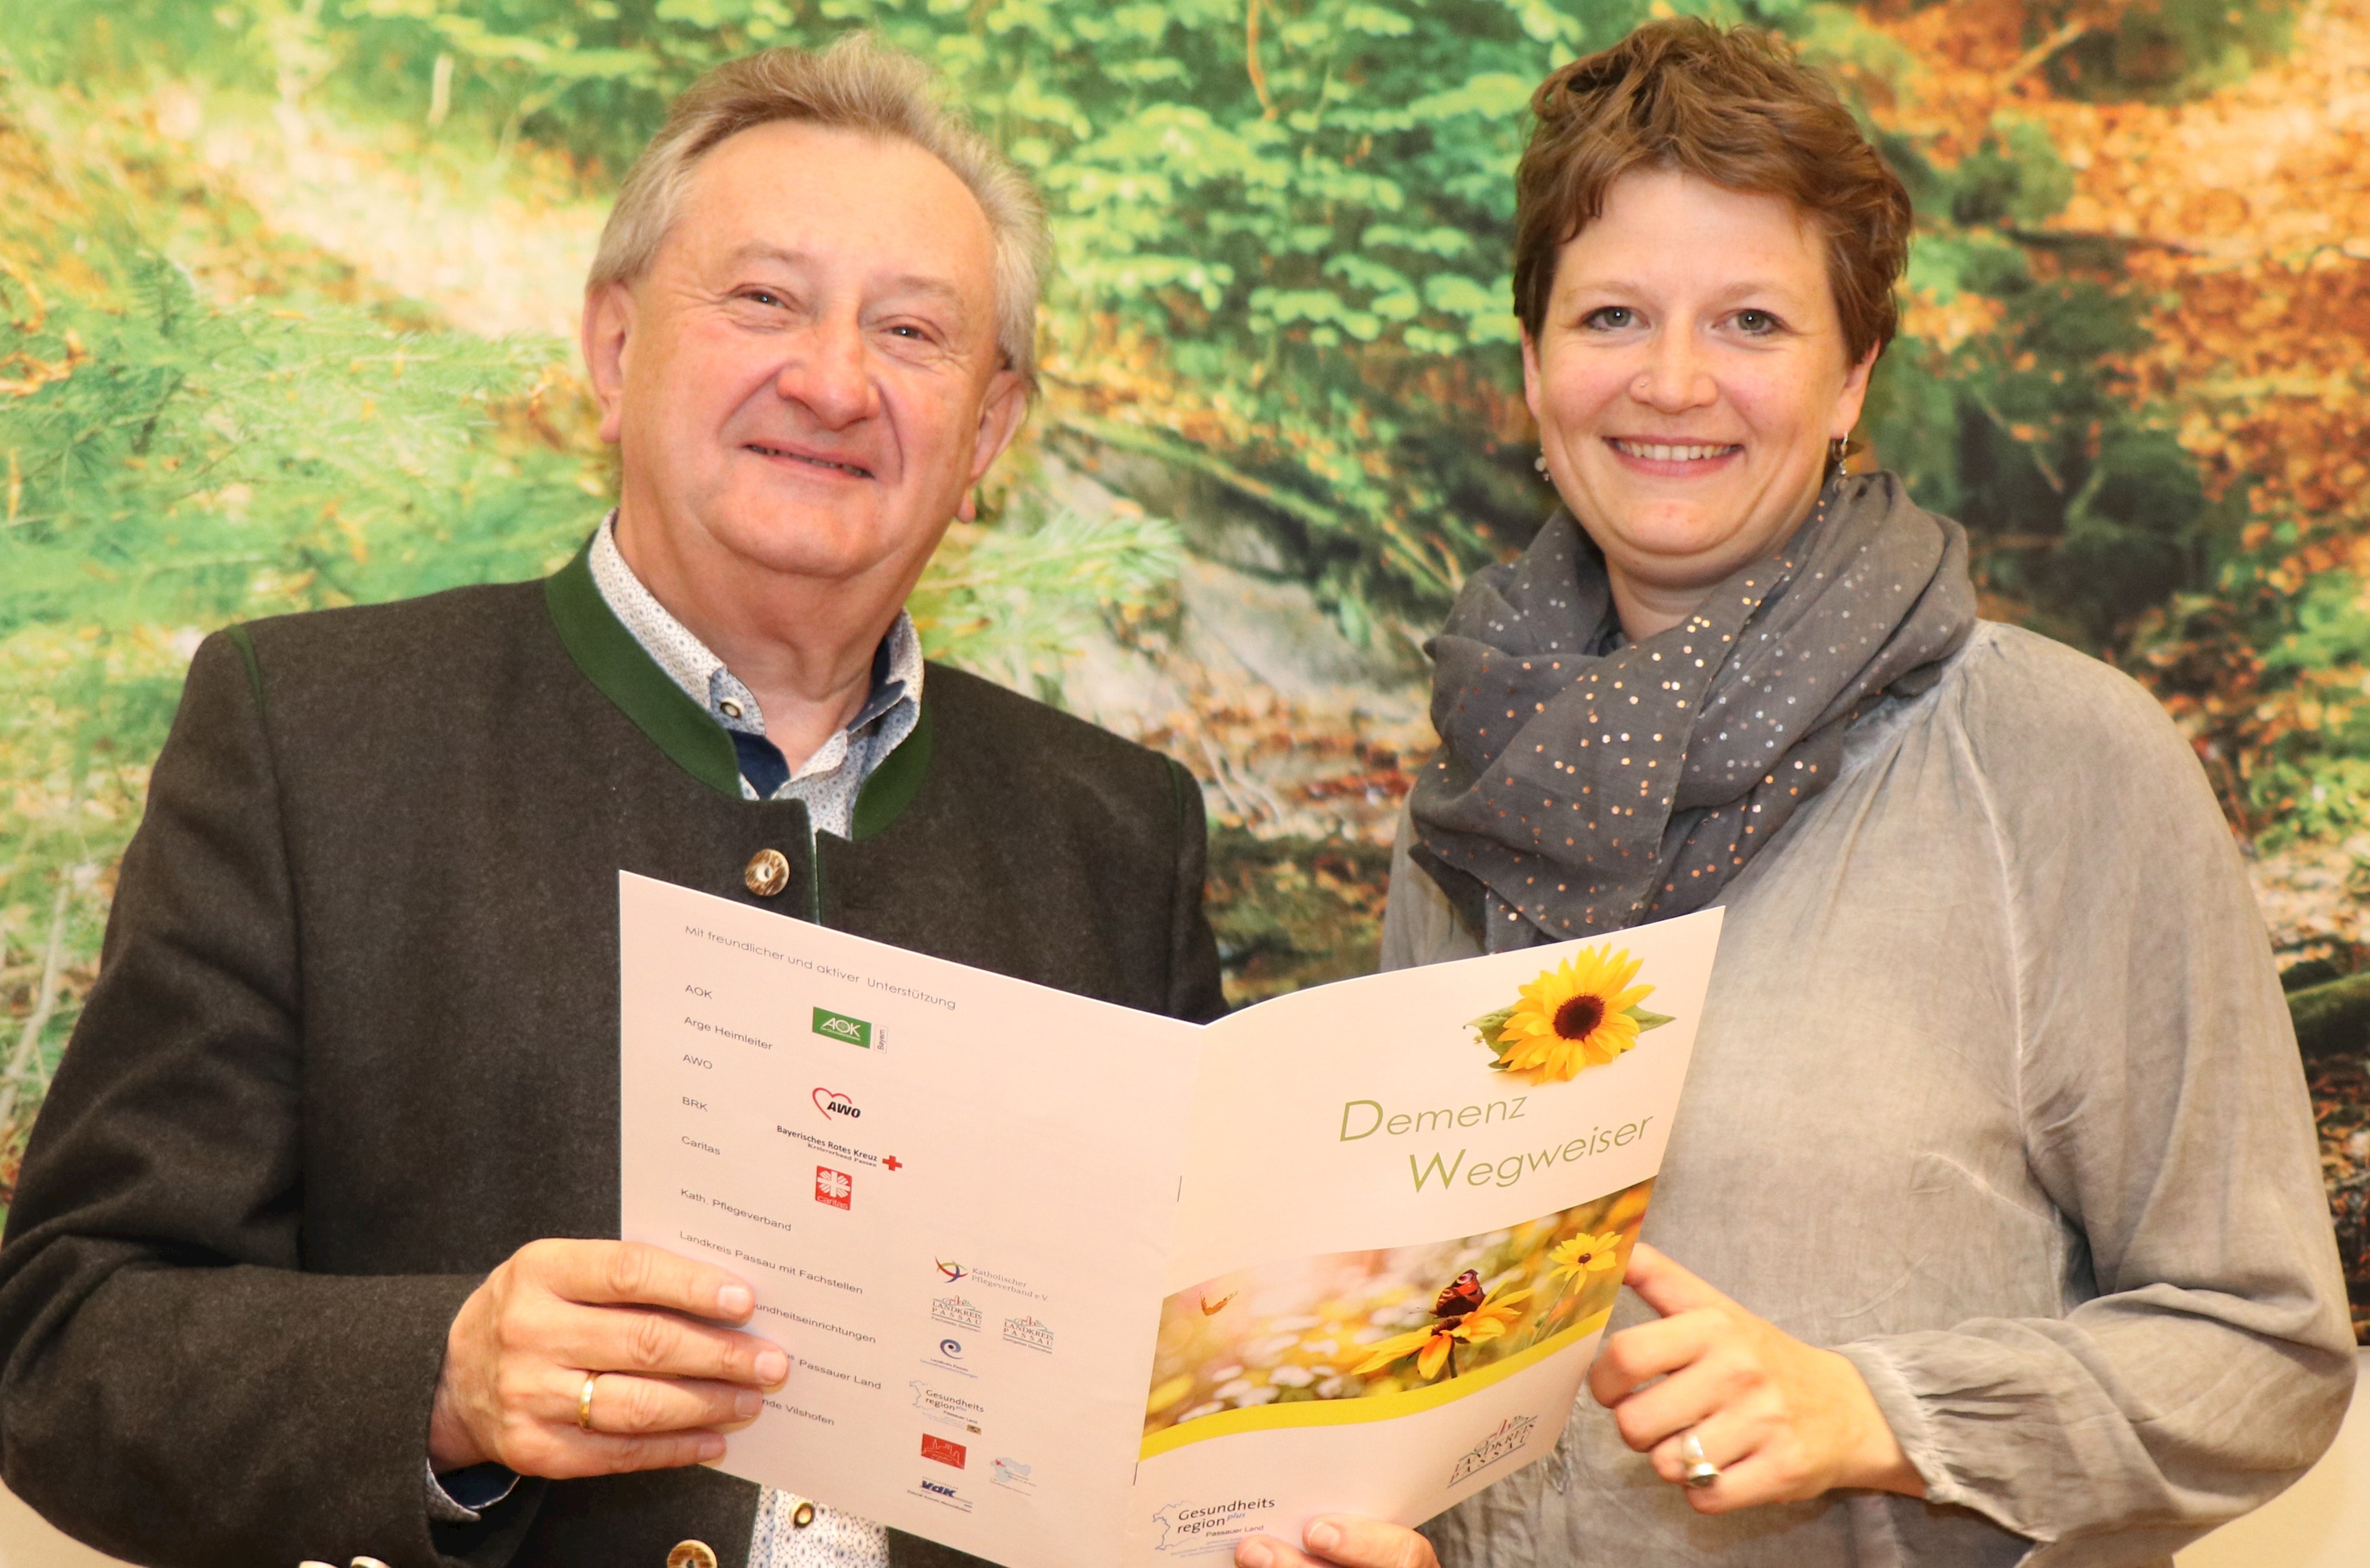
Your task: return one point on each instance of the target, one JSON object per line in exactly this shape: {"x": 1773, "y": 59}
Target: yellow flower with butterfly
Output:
{"x": 1462, "y": 1315}
{"x": 1583, "y": 1013}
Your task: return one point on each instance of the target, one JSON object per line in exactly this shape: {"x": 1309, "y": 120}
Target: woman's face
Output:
{"x": 1687, "y": 380}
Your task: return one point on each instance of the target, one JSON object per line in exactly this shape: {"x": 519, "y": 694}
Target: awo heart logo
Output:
{"x": 831, "y": 1102}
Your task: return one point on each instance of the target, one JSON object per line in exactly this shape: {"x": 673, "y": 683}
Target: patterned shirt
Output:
{"x": 828, "y": 782}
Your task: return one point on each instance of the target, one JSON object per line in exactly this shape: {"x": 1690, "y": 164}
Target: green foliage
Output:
{"x": 2084, "y": 510}
{"x": 1012, "y": 603}
{"x": 172, "y": 465}
{"x": 2163, "y": 48}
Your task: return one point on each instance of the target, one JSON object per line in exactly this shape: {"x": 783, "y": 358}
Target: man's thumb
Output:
{"x": 1662, "y": 1284}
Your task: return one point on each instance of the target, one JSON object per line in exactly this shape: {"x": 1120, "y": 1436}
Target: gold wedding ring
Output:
{"x": 585, "y": 1401}
{"x": 1700, "y": 1471}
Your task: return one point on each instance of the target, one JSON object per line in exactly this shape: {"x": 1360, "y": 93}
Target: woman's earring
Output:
{"x": 1540, "y": 462}
{"x": 1836, "y": 450}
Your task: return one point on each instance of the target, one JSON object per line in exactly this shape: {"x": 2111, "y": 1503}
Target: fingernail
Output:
{"x": 735, "y": 1301}
{"x": 710, "y": 1449}
{"x": 772, "y": 1368}
{"x": 1253, "y": 1553}
{"x": 746, "y": 1404}
{"x": 1323, "y": 1537}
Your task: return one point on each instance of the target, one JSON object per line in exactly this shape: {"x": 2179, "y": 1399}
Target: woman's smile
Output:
{"x": 1672, "y": 458}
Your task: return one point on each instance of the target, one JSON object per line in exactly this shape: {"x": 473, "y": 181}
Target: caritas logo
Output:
{"x": 836, "y": 1188}
{"x": 938, "y": 1449}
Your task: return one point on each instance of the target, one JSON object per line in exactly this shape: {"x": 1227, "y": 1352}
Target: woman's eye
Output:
{"x": 1758, "y": 323}
{"x": 1609, "y": 317}
{"x": 761, "y": 297}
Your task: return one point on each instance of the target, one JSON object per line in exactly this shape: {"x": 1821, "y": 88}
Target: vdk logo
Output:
{"x": 839, "y": 1026}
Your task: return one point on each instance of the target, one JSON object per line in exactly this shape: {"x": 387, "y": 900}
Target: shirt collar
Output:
{"x": 691, "y": 664}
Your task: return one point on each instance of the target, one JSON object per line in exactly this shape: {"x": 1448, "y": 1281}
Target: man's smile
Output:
{"x": 810, "y": 458}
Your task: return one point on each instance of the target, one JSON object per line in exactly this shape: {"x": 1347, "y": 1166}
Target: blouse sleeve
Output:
{"x": 2209, "y": 1359}
{"x": 1420, "y": 925}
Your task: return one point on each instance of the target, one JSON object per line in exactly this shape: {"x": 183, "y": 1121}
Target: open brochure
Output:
{"x": 1066, "y": 1285}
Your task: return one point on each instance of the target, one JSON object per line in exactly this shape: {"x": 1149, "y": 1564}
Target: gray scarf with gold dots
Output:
{"x": 1582, "y": 787}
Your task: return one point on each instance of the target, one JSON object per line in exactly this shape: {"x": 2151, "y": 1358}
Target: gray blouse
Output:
{"x": 1995, "y": 1094}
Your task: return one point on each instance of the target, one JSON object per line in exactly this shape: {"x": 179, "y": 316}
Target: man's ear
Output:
{"x": 1000, "y": 413}
{"x": 607, "y": 329}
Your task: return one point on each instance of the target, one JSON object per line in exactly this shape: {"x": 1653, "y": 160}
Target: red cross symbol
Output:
{"x": 894, "y": 1163}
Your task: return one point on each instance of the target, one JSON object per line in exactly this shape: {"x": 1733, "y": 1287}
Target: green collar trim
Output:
{"x": 896, "y": 782}
{"x": 627, "y": 674}
{"x": 630, "y": 678}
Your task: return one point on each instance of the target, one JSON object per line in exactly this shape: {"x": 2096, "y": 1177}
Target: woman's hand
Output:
{"x": 1784, "y": 1421}
{"x": 1343, "y": 1541}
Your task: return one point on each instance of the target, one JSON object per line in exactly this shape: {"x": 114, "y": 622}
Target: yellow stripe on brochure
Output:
{"x": 1378, "y": 1407}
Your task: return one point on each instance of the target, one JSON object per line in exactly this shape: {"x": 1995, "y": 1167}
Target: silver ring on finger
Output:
{"x": 1700, "y": 1471}
{"x": 585, "y": 1401}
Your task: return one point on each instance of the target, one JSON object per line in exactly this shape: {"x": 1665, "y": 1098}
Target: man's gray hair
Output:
{"x": 858, "y": 85}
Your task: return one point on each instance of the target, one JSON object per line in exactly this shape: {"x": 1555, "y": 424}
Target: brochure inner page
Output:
{"x": 952, "y": 1193}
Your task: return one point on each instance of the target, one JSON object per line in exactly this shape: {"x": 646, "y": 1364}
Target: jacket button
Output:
{"x": 692, "y": 1554}
{"x": 803, "y": 1515}
{"x": 767, "y": 874}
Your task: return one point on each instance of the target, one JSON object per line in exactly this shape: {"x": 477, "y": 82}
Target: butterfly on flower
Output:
{"x": 1461, "y": 1296}
{"x": 1462, "y": 1315}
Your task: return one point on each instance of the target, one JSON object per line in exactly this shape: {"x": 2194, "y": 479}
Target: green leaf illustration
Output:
{"x": 1647, "y": 1021}
{"x": 1487, "y": 1028}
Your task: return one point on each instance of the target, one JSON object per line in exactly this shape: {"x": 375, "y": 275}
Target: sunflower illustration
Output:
{"x": 1584, "y": 1255}
{"x": 1433, "y": 1343}
{"x": 1582, "y": 1014}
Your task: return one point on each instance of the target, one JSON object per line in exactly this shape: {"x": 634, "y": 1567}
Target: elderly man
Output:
{"x": 283, "y": 1279}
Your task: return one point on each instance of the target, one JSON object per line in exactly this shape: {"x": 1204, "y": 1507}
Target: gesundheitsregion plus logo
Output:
{"x": 1206, "y": 1529}
{"x": 839, "y": 1026}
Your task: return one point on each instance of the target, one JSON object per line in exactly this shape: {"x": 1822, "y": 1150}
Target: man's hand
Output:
{"x": 1340, "y": 1540}
{"x": 672, "y": 1381}
{"x": 1784, "y": 1421}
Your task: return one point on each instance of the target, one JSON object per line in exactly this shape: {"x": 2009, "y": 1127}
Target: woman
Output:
{"x": 1995, "y": 1154}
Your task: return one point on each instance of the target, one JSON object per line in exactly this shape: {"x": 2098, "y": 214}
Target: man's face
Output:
{"x": 807, "y": 380}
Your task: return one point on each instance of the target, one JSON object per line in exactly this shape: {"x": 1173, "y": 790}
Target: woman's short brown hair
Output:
{"x": 1732, "y": 105}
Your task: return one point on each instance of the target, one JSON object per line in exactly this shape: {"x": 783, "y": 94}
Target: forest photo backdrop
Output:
{"x": 285, "y": 288}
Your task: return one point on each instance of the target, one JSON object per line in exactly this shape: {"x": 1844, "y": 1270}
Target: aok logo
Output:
{"x": 831, "y": 1102}
{"x": 839, "y": 1026}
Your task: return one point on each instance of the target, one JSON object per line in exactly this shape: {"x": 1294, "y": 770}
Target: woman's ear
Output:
{"x": 1854, "y": 396}
{"x": 1530, "y": 374}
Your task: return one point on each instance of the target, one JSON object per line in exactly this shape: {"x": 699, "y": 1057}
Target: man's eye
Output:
{"x": 761, "y": 297}
{"x": 1609, "y": 317}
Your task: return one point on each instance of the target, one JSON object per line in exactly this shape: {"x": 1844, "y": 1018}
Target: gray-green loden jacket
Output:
{"x": 354, "y": 1041}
